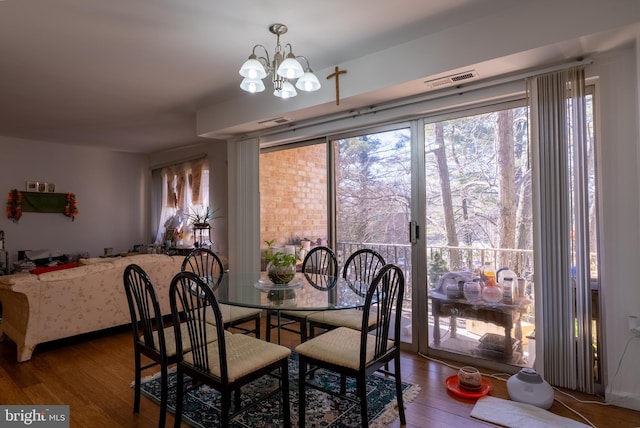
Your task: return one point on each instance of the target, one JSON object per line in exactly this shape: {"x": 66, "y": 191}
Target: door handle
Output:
{"x": 414, "y": 232}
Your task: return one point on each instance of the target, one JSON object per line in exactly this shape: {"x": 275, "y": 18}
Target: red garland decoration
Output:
{"x": 14, "y": 205}
{"x": 71, "y": 209}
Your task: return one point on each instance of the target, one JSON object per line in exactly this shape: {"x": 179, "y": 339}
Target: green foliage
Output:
{"x": 437, "y": 267}
{"x": 279, "y": 258}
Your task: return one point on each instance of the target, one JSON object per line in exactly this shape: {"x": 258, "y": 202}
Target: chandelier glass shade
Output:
{"x": 283, "y": 69}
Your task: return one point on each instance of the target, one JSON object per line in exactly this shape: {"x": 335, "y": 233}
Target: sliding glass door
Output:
{"x": 447, "y": 198}
{"x": 479, "y": 235}
{"x": 372, "y": 194}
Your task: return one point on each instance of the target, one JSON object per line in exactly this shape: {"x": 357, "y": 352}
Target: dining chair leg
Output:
{"x": 179, "y": 394}
{"x": 362, "y": 392}
{"x": 399, "y": 397}
{"x": 225, "y": 403}
{"x": 286, "y": 410}
{"x": 138, "y": 380}
{"x": 303, "y": 331}
{"x": 164, "y": 396}
{"x": 301, "y": 391}
{"x": 238, "y": 397}
{"x": 258, "y": 328}
{"x": 269, "y": 326}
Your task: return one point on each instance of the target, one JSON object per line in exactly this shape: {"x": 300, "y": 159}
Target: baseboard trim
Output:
{"x": 628, "y": 401}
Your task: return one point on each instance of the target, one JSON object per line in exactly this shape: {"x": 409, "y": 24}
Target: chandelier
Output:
{"x": 283, "y": 69}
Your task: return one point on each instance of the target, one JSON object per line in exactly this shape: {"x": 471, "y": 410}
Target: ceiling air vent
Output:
{"x": 275, "y": 121}
{"x": 450, "y": 80}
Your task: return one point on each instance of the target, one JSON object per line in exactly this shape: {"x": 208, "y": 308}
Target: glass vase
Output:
{"x": 280, "y": 274}
{"x": 473, "y": 291}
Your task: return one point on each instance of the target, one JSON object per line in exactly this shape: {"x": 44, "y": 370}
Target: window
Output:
{"x": 185, "y": 192}
{"x": 293, "y": 195}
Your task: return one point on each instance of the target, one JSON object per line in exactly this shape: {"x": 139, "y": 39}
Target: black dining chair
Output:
{"x": 150, "y": 336}
{"x": 227, "y": 363}
{"x": 320, "y": 268}
{"x": 206, "y": 264}
{"x": 359, "y": 270}
{"x": 360, "y": 353}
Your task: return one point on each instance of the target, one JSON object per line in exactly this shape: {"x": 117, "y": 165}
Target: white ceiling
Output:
{"x": 130, "y": 74}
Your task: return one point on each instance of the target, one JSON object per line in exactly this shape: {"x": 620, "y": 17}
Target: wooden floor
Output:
{"x": 92, "y": 375}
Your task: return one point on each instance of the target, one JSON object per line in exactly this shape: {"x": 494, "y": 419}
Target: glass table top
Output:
{"x": 256, "y": 291}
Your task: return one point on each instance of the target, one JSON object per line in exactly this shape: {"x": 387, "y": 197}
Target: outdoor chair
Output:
{"x": 359, "y": 270}
{"x": 208, "y": 266}
{"x": 320, "y": 268}
{"x": 227, "y": 363}
{"x": 360, "y": 353}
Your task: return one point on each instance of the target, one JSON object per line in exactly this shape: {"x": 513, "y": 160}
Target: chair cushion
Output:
{"x": 297, "y": 314}
{"x": 231, "y": 313}
{"x": 351, "y": 318}
{"x": 340, "y": 346}
{"x": 245, "y": 354}
{"x": 170, "y": 338}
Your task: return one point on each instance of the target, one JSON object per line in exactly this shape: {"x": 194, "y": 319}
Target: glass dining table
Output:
{"x": 255, "y": 290}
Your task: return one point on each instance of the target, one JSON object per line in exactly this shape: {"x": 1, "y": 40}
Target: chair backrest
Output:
{"x": 384, "y": 303}
{"x": 206, "y": 264}
{"x": 361, "y": 268}
{"x": 144, "y": 308}
{"x": 194, "y": 306}
{"x": 320, "y": 267}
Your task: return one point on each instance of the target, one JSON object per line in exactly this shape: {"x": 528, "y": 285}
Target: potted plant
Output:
{"x": 281, "y": 267}
{"x": 201, "y": 218}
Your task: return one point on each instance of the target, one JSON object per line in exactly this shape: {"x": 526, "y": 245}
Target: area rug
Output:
{"x": 201, "y": 406}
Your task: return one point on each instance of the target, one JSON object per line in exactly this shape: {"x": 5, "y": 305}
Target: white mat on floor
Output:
{"x": 515, "y": 415}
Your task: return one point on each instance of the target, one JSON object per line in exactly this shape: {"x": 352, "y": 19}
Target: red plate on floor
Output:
{"x": 454, "y": 386}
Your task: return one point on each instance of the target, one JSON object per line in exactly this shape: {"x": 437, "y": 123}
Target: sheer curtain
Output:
{"x": 561, "y": 229}
{"x": 185, "y": 191}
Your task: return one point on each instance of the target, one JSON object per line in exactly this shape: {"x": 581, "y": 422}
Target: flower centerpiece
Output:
{"x": 281, "y": 267}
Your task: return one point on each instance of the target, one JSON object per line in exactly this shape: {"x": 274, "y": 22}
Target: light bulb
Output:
{"x": 252, "y": 85}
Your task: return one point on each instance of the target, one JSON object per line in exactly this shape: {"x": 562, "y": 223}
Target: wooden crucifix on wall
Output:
{"x": 337, "y": 74}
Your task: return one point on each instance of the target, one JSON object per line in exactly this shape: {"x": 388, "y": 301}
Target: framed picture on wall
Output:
{"x": 51, "y": 187}
{"x": 32, "y": 186}
{"x": 42, "y": 186}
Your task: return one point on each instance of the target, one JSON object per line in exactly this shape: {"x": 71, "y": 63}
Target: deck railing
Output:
{"x": 474, "y": 259}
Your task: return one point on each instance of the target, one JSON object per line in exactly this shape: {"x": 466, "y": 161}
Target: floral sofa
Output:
{"x": 38, "y": 308}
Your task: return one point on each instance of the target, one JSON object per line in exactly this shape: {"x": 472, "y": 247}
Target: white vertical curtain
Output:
{"x": 185, "y": 190}
{"x": 561, "y": 229}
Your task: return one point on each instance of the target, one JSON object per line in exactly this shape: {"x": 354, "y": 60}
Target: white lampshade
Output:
{"x": 253, "y": 69}
{"x": 287, "y": 91}
{"x": 308, "y": 82}
{"x": 290, "y": 68}
{"x": 252, "y": 85}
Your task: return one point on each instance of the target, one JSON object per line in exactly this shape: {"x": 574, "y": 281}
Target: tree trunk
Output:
{"x": 447, "y": 202}
{"x": 507, "y": 187}
{"x": 524, "y": 222}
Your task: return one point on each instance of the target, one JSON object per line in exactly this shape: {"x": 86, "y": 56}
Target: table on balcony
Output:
{"x": 501, "y": 314}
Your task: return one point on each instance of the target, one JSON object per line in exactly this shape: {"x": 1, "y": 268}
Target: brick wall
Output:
{"x": 293, "y": 195}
